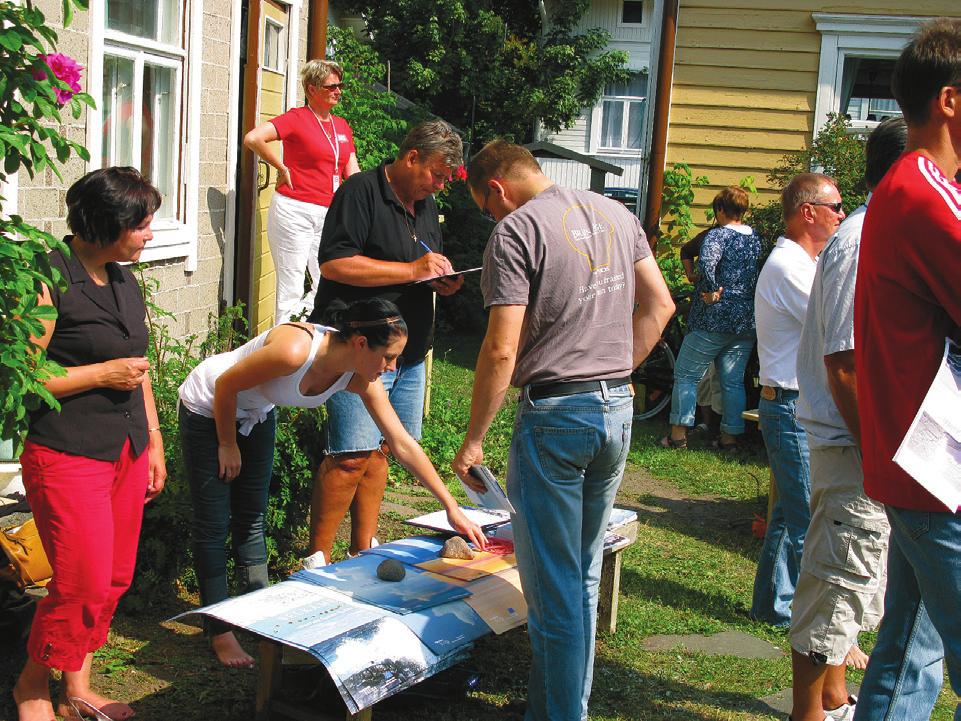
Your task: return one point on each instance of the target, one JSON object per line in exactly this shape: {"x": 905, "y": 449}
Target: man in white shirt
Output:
{"x": 812, "y": 213}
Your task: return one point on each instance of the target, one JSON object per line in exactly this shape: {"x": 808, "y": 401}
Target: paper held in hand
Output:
{"x": 931, "y": 450}
{"x": 448, "y": 275}
{"x": 493, "y": 497}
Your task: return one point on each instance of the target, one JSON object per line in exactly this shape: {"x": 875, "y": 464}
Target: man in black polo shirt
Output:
{"x": 382, "y": 233}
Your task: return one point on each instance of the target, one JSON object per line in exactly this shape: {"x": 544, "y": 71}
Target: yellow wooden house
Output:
{"x": 743, "y": 83}
{"x": 755, "y": 81}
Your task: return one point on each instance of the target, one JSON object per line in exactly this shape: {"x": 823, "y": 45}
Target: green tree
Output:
{"x": 32, "y": 94}
{"x": 373, "y": 115}
{"x": 493, "y": 67}
{"x": 837, "y": 152}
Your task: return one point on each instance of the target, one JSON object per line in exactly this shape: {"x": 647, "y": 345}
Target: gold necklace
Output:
{"x": 410, "y": 230}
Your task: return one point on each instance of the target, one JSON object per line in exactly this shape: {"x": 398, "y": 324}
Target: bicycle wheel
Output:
{"x": 653, "y": 382}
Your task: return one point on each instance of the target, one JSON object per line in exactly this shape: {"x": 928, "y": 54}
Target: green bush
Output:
{"x": 676, "y": 223}
{"x": 837, "y": 152}
{"x": 378, "y": 124}
{"x": 32, "y": 97}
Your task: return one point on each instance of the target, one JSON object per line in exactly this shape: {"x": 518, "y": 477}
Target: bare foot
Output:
{"x": 229, "y": 651}
{"x": 110, "y": 708}
{"x": 32, "y": 704}
{"x": 856, "y": 658}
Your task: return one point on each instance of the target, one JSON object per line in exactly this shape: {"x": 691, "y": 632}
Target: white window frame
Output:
{"x": 282, "y": 48}
{"x": 294, "y": 61}
{"x": 645, "y": 14}
{"x": 173, "y": 237}
{"x": 856, "y": 36}
{"x": 597, "y": 115}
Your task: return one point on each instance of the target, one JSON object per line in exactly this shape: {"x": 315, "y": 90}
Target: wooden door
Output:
{"x": 272, "y": 101}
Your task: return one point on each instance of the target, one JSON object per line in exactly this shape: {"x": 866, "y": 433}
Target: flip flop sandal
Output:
{"x": 85, "y": 710}
{"x": 668, "y": 442}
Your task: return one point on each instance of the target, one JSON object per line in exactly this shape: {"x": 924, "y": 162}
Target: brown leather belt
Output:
{"x": 771, "y": 393}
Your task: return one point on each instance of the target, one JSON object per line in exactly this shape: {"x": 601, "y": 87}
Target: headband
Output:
{"x": 371, "y": 323}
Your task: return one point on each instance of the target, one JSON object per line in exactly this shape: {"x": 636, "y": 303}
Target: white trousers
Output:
{"x": 293, "y": 232}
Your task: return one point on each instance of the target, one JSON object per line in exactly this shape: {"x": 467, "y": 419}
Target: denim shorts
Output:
{"x": 351, "y": 429}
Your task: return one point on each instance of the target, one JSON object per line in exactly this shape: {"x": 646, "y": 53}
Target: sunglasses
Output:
{"x": 836, "y": 207}
{"x": 333, "y": 86}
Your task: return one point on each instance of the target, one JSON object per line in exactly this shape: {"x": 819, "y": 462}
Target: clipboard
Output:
{"x": 448, "y": 275}
{"x": 437, "y": 521}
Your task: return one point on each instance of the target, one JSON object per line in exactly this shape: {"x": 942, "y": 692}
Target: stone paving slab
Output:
{"x": 726, "y": 643}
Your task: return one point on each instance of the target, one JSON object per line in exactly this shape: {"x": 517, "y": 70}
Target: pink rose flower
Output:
{"x": 64, "y": 68}
{"x": 460, "y": 173}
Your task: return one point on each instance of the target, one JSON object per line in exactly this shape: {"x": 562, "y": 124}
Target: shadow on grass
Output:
{"x": 674, "y": 594}
{"x": 458, "y": 349}
{"x": 170, "y": 673}
{"x": 725, "y": 523}
{"x": 623, "y": 691}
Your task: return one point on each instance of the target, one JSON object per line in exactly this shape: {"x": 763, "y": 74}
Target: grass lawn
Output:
{"x": 691, "y": 571}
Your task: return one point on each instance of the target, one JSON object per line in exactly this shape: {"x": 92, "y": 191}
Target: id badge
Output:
{"x": 336, "y": 181}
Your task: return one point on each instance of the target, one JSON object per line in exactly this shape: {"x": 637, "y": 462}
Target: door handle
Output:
{"x": 266, "y": 183}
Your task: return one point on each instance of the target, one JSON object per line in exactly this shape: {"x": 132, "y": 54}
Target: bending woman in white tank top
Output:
{"x": 227, "y": 429}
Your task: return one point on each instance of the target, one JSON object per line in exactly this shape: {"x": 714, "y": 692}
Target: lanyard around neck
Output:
{"x": 334, "y": 143}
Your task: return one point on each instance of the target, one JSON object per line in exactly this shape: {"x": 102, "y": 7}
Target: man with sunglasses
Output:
{"x": 812, "y": 213}
{"x": 840, "y": 590}
{"x": 907, "y": 300}
{"x": 576, "y": 302}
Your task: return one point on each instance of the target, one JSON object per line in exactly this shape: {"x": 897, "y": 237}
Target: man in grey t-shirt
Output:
{"x": 563, "y": 271}
{"x": 840, "y": 588}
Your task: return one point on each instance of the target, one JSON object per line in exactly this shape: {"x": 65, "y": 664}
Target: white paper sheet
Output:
{"x": 931, "y": 450}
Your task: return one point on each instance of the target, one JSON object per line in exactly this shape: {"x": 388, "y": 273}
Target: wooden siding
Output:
{"x": 576, "y": 138}
{"x": 745, "y": 83}
{"x": 606, "y": 14}
{"x": 573, "y": 174}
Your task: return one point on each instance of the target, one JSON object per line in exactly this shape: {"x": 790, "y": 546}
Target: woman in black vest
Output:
{"x": 89, "y": 468}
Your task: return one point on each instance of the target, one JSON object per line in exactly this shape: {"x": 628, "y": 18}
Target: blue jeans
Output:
{"x": 566, "y": 462}
{"x": 921, "y": 624}
{"x": 219, "y": 507}
{"x": 780, "y": 561}
{"x": 730, "y": 353}
{"x": 350, "y": 427}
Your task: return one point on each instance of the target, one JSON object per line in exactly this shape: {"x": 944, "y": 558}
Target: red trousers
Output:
{"x": 88, "y": 515}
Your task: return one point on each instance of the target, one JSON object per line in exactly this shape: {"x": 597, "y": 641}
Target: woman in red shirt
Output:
{"x": 318, "y": 153}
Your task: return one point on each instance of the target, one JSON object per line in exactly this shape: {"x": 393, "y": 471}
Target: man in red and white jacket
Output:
{"x": 907, "y": 300}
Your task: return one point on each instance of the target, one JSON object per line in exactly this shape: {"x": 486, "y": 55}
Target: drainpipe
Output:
{"x": 662, "y": 110}
{"x": 317, "y": 29}
{"x": 247, "y": 187}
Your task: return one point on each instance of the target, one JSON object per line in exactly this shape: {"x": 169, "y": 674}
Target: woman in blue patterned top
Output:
{"x": 721, "y": 322}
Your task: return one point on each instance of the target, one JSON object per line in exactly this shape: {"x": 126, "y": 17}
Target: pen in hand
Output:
{"x": 424, "y": 246}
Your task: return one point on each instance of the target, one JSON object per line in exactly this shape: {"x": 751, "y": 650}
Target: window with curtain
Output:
{"x": 623, "y": 107}
{"x": 866, "y": 95}
{"x": 143, "y": 71}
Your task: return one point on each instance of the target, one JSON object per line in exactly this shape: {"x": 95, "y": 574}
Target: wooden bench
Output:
{"x": 270, "y": 706}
